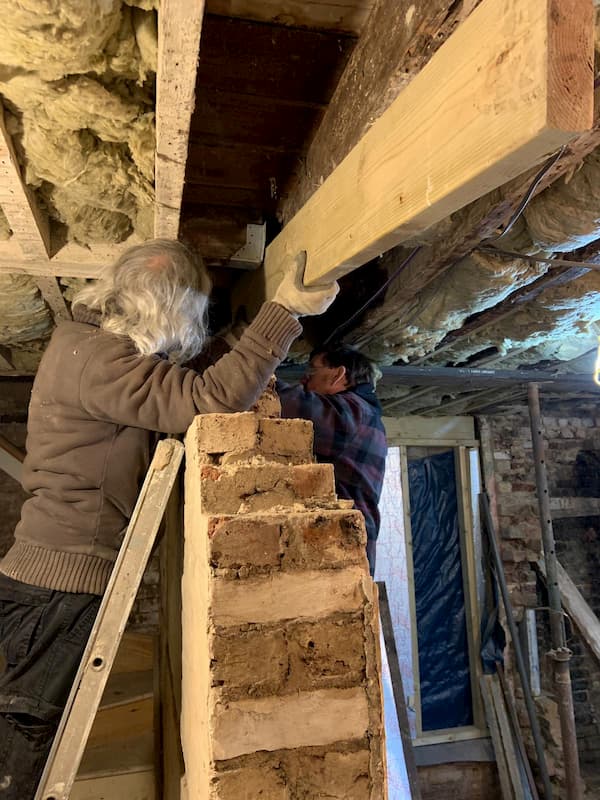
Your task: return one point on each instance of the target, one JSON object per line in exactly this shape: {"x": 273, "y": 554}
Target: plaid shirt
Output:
{"x": 350, "y": 435}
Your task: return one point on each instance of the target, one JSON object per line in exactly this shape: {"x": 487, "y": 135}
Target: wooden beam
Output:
{"x": 179, "y": 25}
{"x": 379, "y": 68}
{"x": 577, "y": 608}
{"x": 347, "y": 16}
{"x": 479, "y": 221}
{"x": 462, "y": 127}
{"x": 29, "y": 224}
{"x": 72, "y": 260}
{"x": 11, "y": 459}
{"x": 51, "y": 292}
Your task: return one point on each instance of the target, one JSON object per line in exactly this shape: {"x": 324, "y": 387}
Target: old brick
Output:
{"x": 297, "y": 720}
{"x": 220, "y": 433}
{"x": 325, "y": 539}
{"x": 338, "y": 776}
{"x": 283, "y": 596}
{"x": 244, "y": 541}
{"x": 250, "y": 783}
{"x": 286, "y": 437}
{"x": 326, "y": 654}
{"x": 255, "y": 662}
{"x": 247, "y": 488}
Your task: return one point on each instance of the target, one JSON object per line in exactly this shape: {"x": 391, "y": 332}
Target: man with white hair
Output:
{"x": 107, "y": 383}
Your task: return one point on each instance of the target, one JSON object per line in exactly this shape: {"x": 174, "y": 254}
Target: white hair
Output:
{"x": 157, "y": 294}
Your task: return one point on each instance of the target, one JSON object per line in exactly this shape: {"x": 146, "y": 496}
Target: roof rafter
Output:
{"x": 28, "y": 222}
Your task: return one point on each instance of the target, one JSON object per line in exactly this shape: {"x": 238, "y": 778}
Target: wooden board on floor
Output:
{"x": 128, "y": 786}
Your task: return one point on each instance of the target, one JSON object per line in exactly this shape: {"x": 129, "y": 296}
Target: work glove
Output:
{"x": 300, "y": 300}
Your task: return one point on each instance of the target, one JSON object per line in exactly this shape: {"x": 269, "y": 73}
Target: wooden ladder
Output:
{"x": 82, "y": 705}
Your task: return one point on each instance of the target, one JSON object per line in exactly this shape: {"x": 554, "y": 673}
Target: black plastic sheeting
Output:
{"x": 444, "y": 676}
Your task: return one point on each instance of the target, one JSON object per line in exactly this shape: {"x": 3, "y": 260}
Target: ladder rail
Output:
{"x": 79, "y": 713}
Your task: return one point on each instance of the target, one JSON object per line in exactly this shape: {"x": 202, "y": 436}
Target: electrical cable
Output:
{"x": 529, "y": 193}
{"x": 556, "y": 262}
{"x": 373, "y": 297}
{"x": 519, "y": 210}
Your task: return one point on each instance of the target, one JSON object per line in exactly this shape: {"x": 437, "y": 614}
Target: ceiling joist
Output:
{"x": 179, "y": 26}
{"x": 462, "y": 127}
{"x": 28, "y": 222}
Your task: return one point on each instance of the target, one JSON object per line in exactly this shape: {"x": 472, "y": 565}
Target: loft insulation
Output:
{"x": 547, "y": 324}
{"x": 78, "y": 79}
{"x": 474, "y": 284}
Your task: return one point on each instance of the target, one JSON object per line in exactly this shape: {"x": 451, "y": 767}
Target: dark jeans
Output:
{"x": 43, "y": 635}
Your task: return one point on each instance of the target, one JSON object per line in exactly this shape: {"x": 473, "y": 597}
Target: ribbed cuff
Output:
{"x": 275, "y": 323}
{"x": 57, "y": 570}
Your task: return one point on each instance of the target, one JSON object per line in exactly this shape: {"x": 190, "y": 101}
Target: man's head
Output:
{"x": 157, "y": 294}
{"x": 335, "y": 369}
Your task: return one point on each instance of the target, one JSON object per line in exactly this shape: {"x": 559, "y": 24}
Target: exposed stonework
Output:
{"x": 281, "y": 666}
{"x": 576, "y": 531}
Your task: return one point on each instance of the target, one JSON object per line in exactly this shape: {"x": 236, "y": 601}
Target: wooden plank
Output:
{"x": 492, "y": 721}
{"x": 29, "y": 224}
{"x": 179, "y": 25}
{"x": 51, "y": 292}
{"x": 479, "y": 221}
{"x": 506, "y": 738}
{"x": 462, "y": 127}
{"x": 170, "y": 647}
{"x": 127, "y": 687}
{"x": 379, "y": 68}
{"x": 11, "y": 459}
{"x": 71, "y": 260}
{"x": 128, "y": 786}
{"x": 458, "y": 429}
{"x": 577, "y": 608}
{"x": 469, "y": 576}
{"x": 387, "y": 629}
{"x": 339, "y": 15}
{"x": 89, "y": 684}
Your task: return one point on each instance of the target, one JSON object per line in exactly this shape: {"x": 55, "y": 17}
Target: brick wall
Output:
{"x": 281, "y": 669}
{"x": 577, "y": 537}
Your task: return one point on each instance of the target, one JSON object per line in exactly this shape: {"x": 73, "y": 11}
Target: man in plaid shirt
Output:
{"x": 337, "y": 394}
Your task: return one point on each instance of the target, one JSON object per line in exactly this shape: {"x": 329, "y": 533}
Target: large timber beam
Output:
{"x": 462, "y": 127}
{"x": 379, "y": 68}
{"x": 179, "y": 25}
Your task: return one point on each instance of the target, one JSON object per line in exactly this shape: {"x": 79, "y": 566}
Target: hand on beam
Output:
{"x": 301, "y": 300}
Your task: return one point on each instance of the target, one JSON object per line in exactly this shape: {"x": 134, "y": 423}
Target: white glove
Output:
{"x": 300, "y": 300}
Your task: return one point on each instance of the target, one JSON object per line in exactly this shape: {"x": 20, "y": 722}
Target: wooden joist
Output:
{"x": 577, "y": 608}
{"x": 379, "y": 68}
{"x": 11, "y": 459}
{"x": 51, "y": 292}
{"x": 179, "y": 25}
{"x": 463, "y": 126}
{"x": 71, "y": 260}
{"x": 340, "y": 15}
{"x": 28, "y": 223}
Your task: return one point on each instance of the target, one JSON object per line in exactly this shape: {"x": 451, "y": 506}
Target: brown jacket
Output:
{"x": 94, "y": 404}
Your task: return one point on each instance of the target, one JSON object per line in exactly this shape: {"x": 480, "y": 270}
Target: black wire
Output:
{"x": 381, "y": 289}
{"x": 529, "y": 193}
{"x": 519, "y": 210}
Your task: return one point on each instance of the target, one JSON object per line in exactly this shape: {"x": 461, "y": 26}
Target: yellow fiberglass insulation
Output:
{"x": 558, "y": 314}
{"x": 86, "y": 140}
{"x": 567, "y": 215}
{"x": 24, "y": 316}
{"x": 474, "y": 284}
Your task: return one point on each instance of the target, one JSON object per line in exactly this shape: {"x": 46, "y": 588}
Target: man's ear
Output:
{"x": 340, "y": 379}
